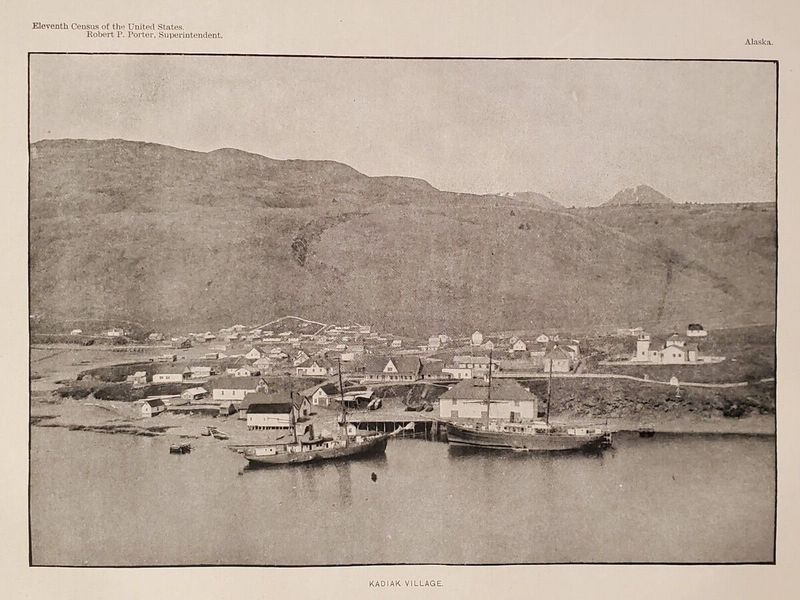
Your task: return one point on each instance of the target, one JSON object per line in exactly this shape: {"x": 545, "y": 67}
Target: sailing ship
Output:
{"x": 534, "y": 436}
{"x": 319, "y": 448}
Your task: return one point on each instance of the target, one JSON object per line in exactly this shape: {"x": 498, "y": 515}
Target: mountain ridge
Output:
{"x": 173, "y": 238}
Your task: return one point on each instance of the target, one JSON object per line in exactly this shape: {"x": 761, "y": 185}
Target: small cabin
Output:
{"x": 151, "y": 408}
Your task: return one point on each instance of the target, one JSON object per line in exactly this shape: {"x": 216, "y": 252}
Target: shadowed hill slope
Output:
{"x": 177, "y": 239}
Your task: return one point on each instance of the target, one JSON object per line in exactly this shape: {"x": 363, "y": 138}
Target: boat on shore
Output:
{"x": 519, "y": 436}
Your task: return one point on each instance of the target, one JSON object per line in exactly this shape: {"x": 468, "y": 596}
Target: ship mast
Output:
{"x": 343, "y": 416}
{"x": 489, "y": 391}
{"x": 293, "y": 420}
{"x": 549, "y": 392}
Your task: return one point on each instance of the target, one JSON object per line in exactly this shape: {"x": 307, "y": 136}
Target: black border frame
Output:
{"x": 427, "y": 58}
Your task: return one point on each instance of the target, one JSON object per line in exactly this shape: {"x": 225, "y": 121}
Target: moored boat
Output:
{"x": 531, "y": 436}
{"x": 318, "y": 448}
{"x": 528, "y": 438}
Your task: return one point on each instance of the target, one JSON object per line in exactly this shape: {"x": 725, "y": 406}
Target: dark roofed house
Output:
{"x": 150, "y": 408}
{"x": 325, "y": 394}
{"x": 433, "y": 370}
{"x": 392, "y": 368}
{"x": 468, "y": 400}
{"x": 268, "y": 411}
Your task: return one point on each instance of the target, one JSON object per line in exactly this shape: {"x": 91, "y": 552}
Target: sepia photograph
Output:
{"x": 329, "y": 311}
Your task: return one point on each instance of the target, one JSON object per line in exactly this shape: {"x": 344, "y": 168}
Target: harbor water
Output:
{"x": 100, "y": 499}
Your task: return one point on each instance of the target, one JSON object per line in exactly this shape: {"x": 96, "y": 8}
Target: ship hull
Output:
{"x": 521, "y": 442}
{"x": 370, "y": 447}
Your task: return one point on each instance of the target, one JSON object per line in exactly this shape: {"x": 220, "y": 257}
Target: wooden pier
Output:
{"x": 425, "y": 427}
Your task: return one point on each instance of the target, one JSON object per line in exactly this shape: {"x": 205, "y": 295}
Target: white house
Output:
{"x": 236, "y": 388}
{"x": 115, "y": 332}
{"x": 325, "y": 394}
{"x": 488, "y": 345}
{"x": 76, "y": 332}
{"x": 269, "y": 411}
{"x": 476, "y": 365}
{"x": 300, "y": 358}
{"x": 457, "y": 373}
{"x": 151, "y": 408}
{"x": 392, "y": 368}
{"x": 675, "y": 351}
{"x": 201, "y": 371}
{"x": 543, "y": 338}
{"x": 194, "y": 394}
{"x": 477, "y": 338}
{"x": 254, "y": 354}
{"x": 519, "y": 346}
{"x": 316, "y": 367}
{"x": 396, "y": 344}
{"x": 170, "y": 374}
{"x": 468, "y": 400}
{"x": 245, "y": 371}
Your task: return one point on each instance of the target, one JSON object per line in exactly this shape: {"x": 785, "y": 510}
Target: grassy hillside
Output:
{"x": 176, "y": 239}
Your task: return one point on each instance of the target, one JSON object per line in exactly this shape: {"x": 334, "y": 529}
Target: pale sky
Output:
{"x": 578, "y": 131}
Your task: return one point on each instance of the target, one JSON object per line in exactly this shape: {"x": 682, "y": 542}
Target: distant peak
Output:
{"x": 641, "y": 194}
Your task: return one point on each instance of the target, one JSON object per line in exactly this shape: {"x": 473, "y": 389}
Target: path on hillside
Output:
{"x": 538, "y": 375}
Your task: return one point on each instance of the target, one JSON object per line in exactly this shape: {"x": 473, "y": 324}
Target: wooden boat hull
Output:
{"x": 369, "y": 447}
{"x": 525, "y": 442}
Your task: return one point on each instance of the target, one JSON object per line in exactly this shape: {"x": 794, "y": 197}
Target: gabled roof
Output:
{"x": 154, "y": 403}
{"x": 255, "y": 401}
{"x": 235, "y": 383}
{"x": 195, "y": 390}
{"x": 322, "y": 362}
{"x": 478, "y": 389}
{"x": 329, "y": 389}
{"x": 557, "y": 353}
{"x": 404, "y": 364}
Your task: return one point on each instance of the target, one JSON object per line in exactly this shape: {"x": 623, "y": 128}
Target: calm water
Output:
{"x": 101, "y": 499}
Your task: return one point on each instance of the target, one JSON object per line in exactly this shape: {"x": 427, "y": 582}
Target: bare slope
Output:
{"x": 177, "y": 239}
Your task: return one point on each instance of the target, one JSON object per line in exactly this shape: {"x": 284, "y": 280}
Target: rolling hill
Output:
{"x": 178, "y": 239}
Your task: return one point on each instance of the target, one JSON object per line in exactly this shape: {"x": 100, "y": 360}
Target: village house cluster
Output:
{"x": 230, "y": 368}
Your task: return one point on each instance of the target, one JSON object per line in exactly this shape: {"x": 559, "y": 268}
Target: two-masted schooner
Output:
{"x": 533, "y": 436}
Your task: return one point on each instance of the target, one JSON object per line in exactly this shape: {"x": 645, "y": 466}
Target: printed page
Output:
{"x": 423, "y": 300}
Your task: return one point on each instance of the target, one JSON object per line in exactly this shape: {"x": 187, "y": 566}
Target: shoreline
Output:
{"x": 119, "y": 418}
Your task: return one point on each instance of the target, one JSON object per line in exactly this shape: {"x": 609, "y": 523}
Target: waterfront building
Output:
{"x": 510, "y": 401}
{"x": 268, "y": 411}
